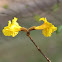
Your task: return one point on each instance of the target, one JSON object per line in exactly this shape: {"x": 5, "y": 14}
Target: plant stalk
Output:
{"x": 28, "y": 34}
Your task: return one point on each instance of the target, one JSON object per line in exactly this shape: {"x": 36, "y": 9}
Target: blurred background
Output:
{"x": 28, "y": 12}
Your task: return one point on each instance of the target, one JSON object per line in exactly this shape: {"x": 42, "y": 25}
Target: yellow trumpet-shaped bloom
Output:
{"x": 12, "y": 29}
{"x": 47, "y": 28}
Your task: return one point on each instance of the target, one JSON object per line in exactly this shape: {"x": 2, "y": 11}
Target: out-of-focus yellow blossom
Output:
{"x": 12, "y": 29}
{"x": 47, "y": 28}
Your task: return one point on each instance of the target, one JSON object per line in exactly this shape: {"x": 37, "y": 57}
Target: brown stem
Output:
{"x": 28, "y": 34}
{"x": 32, "y": 28}
{"x": 24, "y": 29}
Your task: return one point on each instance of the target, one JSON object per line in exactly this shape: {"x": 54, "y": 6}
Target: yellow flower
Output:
{"x": 47, "y": 28}
{"x": 12, "y": 29}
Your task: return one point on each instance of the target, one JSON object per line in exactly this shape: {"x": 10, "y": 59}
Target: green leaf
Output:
{"x": 59, "y": 28}
{"x": 5, "y": 6}
{"x": 37, "y": 17}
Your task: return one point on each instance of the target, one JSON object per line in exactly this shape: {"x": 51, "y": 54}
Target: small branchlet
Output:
{"x": 24, "y": 29}
{"x": 28, "y": 34}
{"x": 32, "y": 28}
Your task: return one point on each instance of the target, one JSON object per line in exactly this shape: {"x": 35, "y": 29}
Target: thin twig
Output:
{"x": 28, "y": 34}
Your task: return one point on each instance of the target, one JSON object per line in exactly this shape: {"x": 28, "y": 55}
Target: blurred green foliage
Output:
{"x": 37, "y": 17}
{"x": 26, "y": 6}
{"x": 59, "y": 28}
{"x": 5, "y": 6}
{"x": 55, "y": 7}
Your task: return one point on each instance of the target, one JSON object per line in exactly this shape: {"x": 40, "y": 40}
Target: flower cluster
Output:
{"x": 13, "y": 28}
